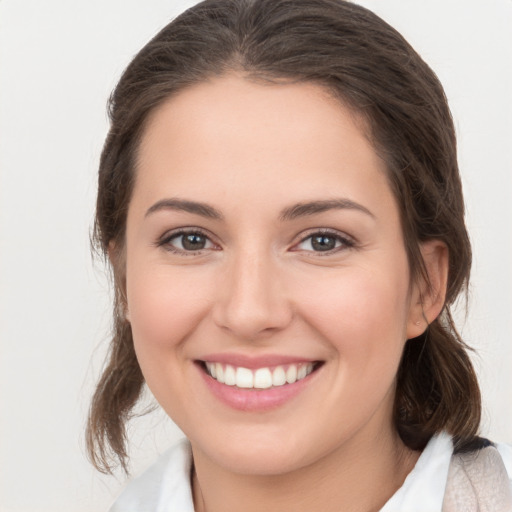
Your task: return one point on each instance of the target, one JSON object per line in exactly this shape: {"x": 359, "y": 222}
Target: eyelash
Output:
{"x": 344, "y": 241}
{"x": 165, "y": 241}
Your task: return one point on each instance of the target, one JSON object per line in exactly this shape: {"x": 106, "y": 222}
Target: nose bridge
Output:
{"x": 252, "y": 297}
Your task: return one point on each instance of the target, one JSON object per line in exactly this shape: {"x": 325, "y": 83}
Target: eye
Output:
{"x": 186, "y": 241}
{"x": 324, "y": 242}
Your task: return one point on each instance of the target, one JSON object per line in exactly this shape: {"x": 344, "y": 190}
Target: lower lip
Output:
{"x": 255, "y": 400}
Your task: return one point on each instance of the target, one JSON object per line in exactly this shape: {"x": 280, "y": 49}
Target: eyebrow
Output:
{"x": 290, "y": 213}
{"x": 314, "y": 207}
{"x": 202, "y": 209}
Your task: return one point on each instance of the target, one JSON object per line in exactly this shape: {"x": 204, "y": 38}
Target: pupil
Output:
{"x": 193, "y": 242}
{"x": 323, "y": 243}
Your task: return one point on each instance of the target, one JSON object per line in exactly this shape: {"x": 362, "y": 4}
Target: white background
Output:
{"x": 59, "y": 60}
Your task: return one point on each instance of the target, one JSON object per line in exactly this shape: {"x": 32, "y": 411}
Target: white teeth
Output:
{"x": 219, "y": 370}
{"x": 291, "y": 374}
{"x": 262, "y": 378}
{"x": 244, "y": 378}
{"x": 229, "y": 376}
{"x": 278, "y": 376}
{"x": 211, "y": 369}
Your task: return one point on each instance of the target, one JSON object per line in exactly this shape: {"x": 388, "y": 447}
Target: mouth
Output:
{"x": 263, "y": 378}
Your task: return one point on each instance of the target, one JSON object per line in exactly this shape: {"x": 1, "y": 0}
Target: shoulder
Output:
{"x": 163, "y": 487}
{"x": 444, "y": 481}
{"x": 505, "y": 450}
{"x": 480, "y": 480}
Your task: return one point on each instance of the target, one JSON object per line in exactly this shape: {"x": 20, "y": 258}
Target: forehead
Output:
{"x": 240, "y": 101}
{"x": 232, "y": 134}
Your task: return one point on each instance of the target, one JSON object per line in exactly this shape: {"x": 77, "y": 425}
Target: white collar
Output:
{"x": 164, "y": 487}
{"x": 423, "y": 489}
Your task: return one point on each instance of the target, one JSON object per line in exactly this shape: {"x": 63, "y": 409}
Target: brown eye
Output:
{"x": 187, "y": 241}
{"x": 193, "y": 242}
{"x": 323, "y": 242}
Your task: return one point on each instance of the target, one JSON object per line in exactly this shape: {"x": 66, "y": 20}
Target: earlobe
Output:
{"x": 429, "y": 294}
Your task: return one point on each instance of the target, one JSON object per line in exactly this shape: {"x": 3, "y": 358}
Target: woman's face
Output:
{"x": 264, "y": 246}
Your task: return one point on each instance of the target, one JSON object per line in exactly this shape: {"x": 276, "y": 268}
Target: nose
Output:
{"x": 251, "y": 300}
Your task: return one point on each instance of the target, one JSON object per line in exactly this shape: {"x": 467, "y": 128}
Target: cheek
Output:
{"x": 164, "y": 309}
{"x": 362, "y": 315}
{"x": 164, "y": 306}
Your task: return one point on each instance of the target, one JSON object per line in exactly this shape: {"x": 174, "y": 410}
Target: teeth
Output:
{"x": 244, "y": 378}
{"x": 279, "y": 376}
{"x": 229, "y": 376}
{"x": 291, "y": 374}
{"x": 262, "y": 378}
{"x": 219, "y": 370}
{"x": 211, "y": 369}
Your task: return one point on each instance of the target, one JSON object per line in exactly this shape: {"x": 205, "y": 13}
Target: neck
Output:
{"x": 360, "y": 476}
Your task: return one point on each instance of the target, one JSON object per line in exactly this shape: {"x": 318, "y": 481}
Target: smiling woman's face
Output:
{"x": 264, "y": 246}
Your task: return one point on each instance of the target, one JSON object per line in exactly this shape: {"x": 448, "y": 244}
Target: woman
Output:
{"x": 280, "y": 201}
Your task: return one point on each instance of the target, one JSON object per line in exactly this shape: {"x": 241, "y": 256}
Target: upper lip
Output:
{"x": 254, "y": 362}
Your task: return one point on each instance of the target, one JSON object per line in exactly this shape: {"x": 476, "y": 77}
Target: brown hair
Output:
{"x": 371, "y": 68}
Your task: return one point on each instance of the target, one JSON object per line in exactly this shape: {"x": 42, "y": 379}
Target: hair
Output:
{"x": 370, "y": 67}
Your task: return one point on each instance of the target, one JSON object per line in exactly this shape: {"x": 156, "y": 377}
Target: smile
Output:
{"x": 257, "y": 384}
{"x": 260, "y": 378}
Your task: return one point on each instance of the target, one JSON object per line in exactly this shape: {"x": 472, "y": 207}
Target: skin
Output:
{"x": 258, "y": 286}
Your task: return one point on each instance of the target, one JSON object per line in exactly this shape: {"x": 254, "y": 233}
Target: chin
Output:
{"x": 261, "y": 462}
{"x": 258, "y": 451}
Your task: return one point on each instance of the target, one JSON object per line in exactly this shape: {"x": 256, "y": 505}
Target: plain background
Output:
{"x": 59, "y": 61}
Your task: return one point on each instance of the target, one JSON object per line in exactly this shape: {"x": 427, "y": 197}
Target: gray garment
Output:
{"x": 478, "y": 482}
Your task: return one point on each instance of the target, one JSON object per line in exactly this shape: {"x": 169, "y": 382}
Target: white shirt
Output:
{"x": 165, "y": 486}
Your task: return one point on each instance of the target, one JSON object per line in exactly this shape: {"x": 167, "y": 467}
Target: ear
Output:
{"x": 428, "y": 295}
{"x": 117, "y": 258}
